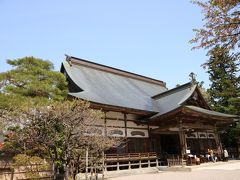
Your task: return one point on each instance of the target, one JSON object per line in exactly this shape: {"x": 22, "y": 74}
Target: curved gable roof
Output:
{"x": 176, "y": 100}
{"x": 110, "y": 86}
{"x": 173, "y": 99}
{"x": 113, "y": 89}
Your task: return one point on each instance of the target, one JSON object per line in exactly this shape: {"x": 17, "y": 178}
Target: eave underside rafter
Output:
{"x": 190, "y": 120}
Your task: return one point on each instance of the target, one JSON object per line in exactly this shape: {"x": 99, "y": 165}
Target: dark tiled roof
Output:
{"x": 112, "y": 89}
{"x": 209, "y": 112}
{"x": 174, "y": 98}
{"x": 110, "y": 86}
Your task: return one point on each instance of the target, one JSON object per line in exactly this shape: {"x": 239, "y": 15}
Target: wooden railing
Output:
{"x": 130, "y": 160}
{"x": 130, "y": 156}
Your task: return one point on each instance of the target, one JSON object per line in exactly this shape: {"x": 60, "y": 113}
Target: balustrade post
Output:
{"x": 118, "y": 166}
{"x": 129, "y": 161}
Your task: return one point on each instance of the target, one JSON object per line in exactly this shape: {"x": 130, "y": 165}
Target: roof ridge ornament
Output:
{"x": 68, "y": 59}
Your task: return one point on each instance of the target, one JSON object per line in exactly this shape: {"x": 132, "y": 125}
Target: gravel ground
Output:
{"x": 214, "y": 171}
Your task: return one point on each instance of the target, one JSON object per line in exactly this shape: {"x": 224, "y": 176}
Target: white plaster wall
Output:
{"x": 134, "y": 125}
{"x": 211, "y": 135}
{"x": 111, "y": 129}
{"x": 119, "y": 125}
{"x": 195, "y": 134}
{"x": 153, "y": 127}
{"x": 115, "y": 123}
{"x": 117, "y": 115}
{"x": 132, "y": 116}
{"x": 206, "y": 135}
{"x": 100, "y": 122}
{"x": 129, "y": 131}
{"x": 93, "y": 131}
{"x": 202, "y": 134}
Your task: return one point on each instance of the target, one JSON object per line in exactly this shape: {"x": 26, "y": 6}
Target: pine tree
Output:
{"x": 32, "y": 80}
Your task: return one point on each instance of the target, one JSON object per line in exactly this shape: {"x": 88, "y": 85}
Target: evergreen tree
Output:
{"x": 223, "y": 70}
{"x": 31, "y": 80}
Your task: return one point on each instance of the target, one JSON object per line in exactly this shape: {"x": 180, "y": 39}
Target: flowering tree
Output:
{"x": 222, "y": 24}
{"x": 62, "y": 132}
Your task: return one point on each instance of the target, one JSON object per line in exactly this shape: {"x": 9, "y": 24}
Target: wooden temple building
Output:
{"x": 142, "y": 110}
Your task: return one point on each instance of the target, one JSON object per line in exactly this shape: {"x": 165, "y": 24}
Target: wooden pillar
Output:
{"x": 125, "y": 127}
{"x": 125, "y": 123}
{"x": 104, "y": 168}
{"x": 218, "y": 141}
{"x": 149, "y": 139}
{"x": 183, "y": 145}
{"x": 105, "y": 123}
{"x": 199, "y": 149}
{"x": 150, "y": 144}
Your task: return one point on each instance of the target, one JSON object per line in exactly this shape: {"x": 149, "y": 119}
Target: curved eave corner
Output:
{"x": 212, "y": 114}
{"x": 188, "y": 95}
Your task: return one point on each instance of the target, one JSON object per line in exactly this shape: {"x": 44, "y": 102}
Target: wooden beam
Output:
{"x": 105, "y": 107}
{"x": 166, "y": 117}
{"x": 192, "y": 113}
{"x": 198, "y": 126}
{"x": 163, "y": 132}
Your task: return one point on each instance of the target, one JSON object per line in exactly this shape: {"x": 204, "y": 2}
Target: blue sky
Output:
{"x": 148, "y": 37}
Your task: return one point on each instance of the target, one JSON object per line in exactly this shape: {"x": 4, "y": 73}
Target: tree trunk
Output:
{"x": 66, "y": 175}
{"x": 103, "y": 166}
{"x": 54, "y": 170}
{"x": 86, "y": 163}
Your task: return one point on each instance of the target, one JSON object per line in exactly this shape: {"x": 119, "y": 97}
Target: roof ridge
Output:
{"x": 110, "y": 69}
{"x": 171, "y": 91}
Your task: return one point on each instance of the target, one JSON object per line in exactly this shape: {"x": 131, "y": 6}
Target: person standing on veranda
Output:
{"x": 225, "y": 155}
{"x": 211, "y": 155}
